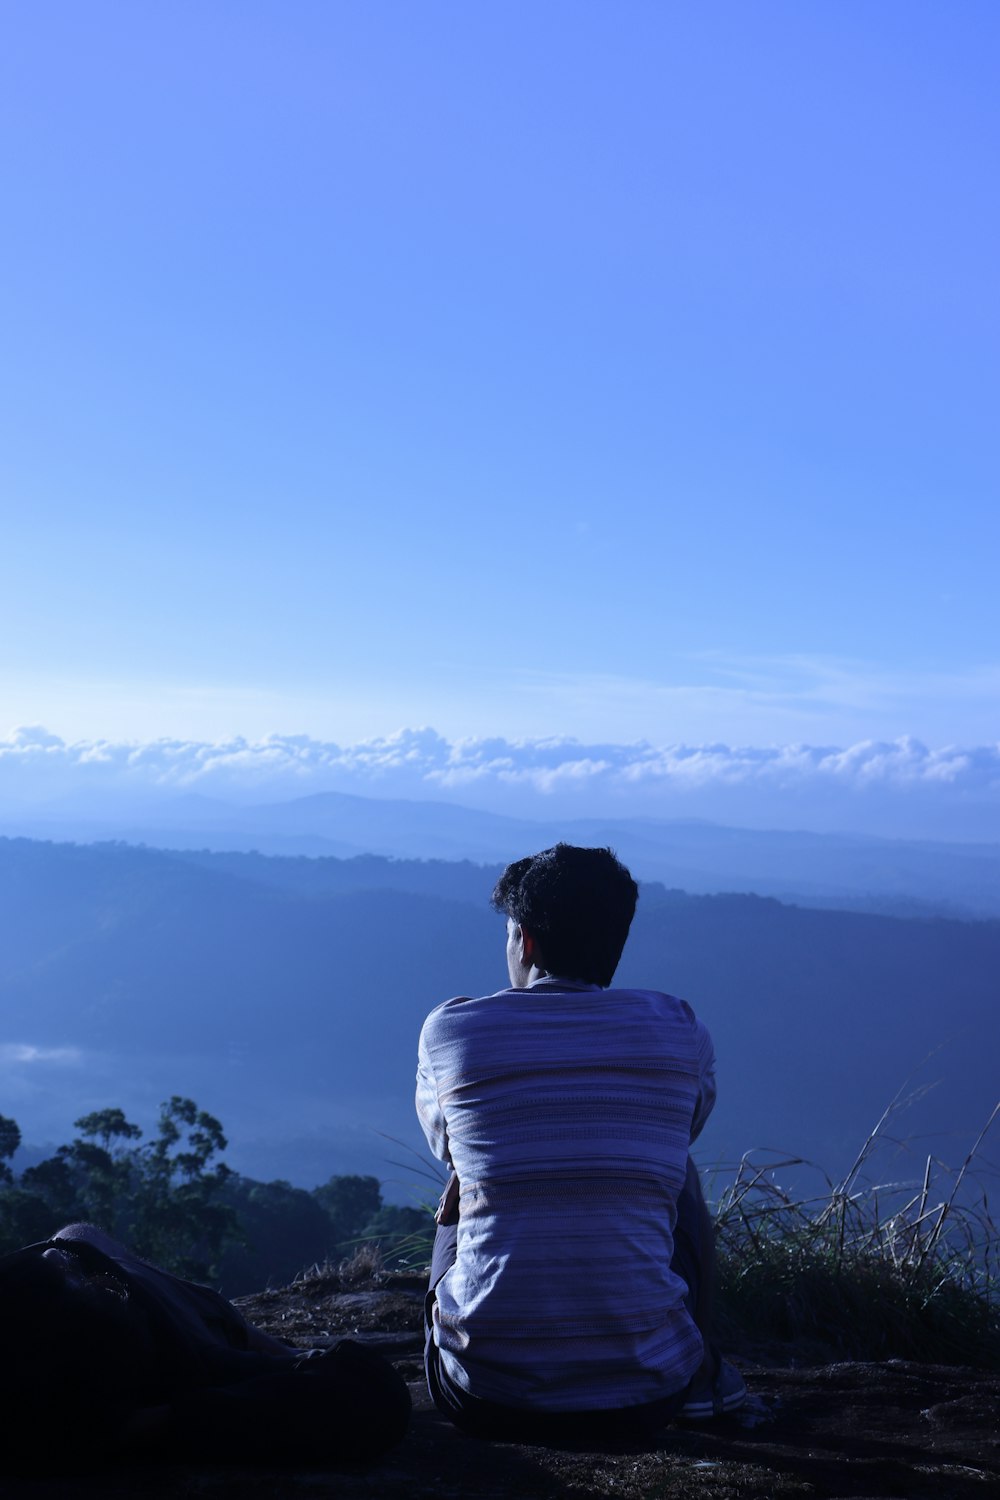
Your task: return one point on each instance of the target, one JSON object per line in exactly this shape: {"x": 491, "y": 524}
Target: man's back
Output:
{"x": 567, "y": 1111}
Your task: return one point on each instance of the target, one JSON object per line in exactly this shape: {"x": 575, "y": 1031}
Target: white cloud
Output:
{"x": 16, "y": 1054}
{"x": 793, "y": 741}
{"x": 29, "y": 737}
{"x": 422, "y": 762}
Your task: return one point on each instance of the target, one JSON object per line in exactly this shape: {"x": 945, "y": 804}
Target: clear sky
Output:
{"x": 620, "y": 370}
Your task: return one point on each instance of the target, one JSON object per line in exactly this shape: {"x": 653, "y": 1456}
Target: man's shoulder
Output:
{"x": 461, "y": 1006}
{"x": 659, "y": 1000}
{"x": 462, "y": 1009}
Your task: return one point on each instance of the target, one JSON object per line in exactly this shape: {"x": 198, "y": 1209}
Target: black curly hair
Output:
{"x": 576, "y": 903}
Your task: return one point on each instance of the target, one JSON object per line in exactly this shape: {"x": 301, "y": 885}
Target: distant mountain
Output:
{"x": 286, "y": 997}
{"x": 885, "y": 875}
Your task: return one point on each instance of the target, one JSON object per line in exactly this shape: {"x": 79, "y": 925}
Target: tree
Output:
{"x": 104, "y": 1167}
{"x": 163, "y": 1197}
{"x": 56, "y": 1186}
{"x": 179, "y": 1218}
{"x": 350, "y": 1201}
{"x": 109, "y": 1126}
{"x": 10, "y": 1139}
{"x": 25, "y": 1218}
{"x": 286, "y": 1231}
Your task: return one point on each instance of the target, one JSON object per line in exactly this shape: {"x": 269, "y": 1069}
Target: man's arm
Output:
{"x": 431, "y": 1117}
{"x": 429, "y": 1111}
{"x": 705, "y": 1055}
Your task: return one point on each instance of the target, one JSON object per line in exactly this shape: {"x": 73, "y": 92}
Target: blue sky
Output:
{"x": 619, "y": 371}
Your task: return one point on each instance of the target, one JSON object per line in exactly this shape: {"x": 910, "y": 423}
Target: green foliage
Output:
{"x": 178, "y": 1218}
{"x": 171, "y": 1200}
{"x": 404, "y": 1237}
{"x": 400, "y": 1237}
{"x": 284, "y": 1228}
{"x": 287, "y": 1229}
{"x": 163, "y": 1198}
{"x": 24, "y": 1218}
{"x": 10, "y": 1139}
{"x": 109, "y": 1126}
{"x": 350, "y": 1201}
{"x": 57, "y": 1188}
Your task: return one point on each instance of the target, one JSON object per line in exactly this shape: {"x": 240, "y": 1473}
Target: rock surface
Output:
{"x": 837, "y": 1430}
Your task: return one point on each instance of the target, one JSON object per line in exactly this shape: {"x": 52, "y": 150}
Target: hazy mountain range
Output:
{"x": 891, "y": 875}
{"x": 286, "y": 994}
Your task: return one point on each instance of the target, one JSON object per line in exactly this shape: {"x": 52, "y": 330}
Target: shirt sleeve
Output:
{"x": 705, "y": 1053}
{"x": 429, "y": 1111}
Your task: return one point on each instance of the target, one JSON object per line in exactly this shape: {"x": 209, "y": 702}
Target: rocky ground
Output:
{"x": 834, "y": 1430}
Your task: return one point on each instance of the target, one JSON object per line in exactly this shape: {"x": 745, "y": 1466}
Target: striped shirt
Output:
{"x": 567, "y": 1112}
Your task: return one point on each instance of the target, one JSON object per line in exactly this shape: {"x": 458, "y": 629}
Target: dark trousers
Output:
{"x": 491, "y": 1419}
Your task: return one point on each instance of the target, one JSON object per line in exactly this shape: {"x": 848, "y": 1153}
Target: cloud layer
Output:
{"x": 796, "y": 782}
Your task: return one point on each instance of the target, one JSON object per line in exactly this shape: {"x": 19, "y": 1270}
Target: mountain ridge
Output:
{"x": 693, "y": 854}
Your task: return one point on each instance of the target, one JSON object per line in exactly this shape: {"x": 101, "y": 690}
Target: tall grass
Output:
{"x": 861, "y": 1269}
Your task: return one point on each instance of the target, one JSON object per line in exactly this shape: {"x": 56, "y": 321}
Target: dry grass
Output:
{"x": 363, "y": 1268}
{"x": 862, "y": 1269}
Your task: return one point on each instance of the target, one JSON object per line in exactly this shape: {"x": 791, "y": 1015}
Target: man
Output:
{"x": 107, "y": 1356}
{"x": 571, "y": 1278}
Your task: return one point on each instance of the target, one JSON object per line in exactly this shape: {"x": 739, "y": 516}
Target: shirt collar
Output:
{"x": 558, "y": 982}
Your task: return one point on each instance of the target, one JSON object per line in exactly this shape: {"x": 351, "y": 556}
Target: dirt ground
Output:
{"x": 836, "y": 1430}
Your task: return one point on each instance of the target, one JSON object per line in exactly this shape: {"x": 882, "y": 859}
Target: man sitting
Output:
{"x": 572, "y": 1267}
{"x": 105, "y": 1355}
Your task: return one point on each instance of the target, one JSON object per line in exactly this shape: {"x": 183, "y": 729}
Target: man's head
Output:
{"x": 575, "y": 905}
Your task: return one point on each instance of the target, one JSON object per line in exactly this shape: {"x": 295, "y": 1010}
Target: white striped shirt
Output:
{"x": 567, "y": 1112}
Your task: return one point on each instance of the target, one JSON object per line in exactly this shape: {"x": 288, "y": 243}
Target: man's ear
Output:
{"x": 529, "y": 948}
